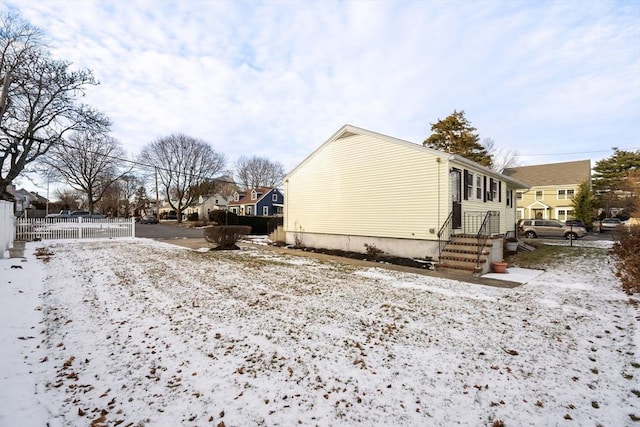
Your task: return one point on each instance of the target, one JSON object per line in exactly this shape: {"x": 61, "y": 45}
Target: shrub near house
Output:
{"x": 225, "y": 236}
{"x": 626, "y": 250}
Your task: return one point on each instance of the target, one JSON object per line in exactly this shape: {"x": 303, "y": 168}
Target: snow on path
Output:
{"x": 139, "y": 332}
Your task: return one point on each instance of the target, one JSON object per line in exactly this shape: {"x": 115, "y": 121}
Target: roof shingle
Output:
{"x": 565, "y": 173}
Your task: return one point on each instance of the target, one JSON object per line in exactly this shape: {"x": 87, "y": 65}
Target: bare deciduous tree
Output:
{"x": 254, "y": 172}
{"x": 501, "y": 159}
{"x": 68, "y": 199}
{"x": 183, "y": 164}
{"x": 89, "y": 163}
{"x": 37, "y": 100}
{"x": 118, "y": 200}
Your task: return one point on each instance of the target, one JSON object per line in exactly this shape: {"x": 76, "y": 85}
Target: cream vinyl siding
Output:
{"x": 364, "y": 186}
{"x": 507, "y": 215}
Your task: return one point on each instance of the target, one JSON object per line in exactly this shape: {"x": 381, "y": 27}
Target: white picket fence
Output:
{"x": 74, "y": 228}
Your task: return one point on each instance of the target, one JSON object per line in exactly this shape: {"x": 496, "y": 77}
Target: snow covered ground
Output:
{"x": 135, "y": 332}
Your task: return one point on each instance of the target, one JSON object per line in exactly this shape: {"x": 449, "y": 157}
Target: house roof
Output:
{"x": 25, "y": 195}
{"x": 565, "y": 173}
{"x": 349, "y": 130}
{"x": 245, "y": 198}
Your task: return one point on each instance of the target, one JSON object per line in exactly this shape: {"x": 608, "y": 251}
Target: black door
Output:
{"x": 456, "y": 198}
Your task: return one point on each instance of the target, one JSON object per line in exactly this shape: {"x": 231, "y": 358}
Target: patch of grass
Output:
{"x": 549, "y": 255}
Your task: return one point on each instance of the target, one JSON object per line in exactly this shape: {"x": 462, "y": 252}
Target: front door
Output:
{"x": 456, "y": 198}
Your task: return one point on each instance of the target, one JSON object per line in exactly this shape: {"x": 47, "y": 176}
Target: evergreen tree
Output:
{"x": 615, "y": 181}
{"x": 455, "y": 135}
{"x": 584, "y": 204}
{"x": 612, "y": 173}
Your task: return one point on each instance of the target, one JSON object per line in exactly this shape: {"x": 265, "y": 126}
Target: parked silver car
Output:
{"x": 533, "y": 228}
{"x": 609, "y": 224}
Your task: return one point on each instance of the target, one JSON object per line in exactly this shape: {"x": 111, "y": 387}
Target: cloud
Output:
{"x": 276, "y": 79}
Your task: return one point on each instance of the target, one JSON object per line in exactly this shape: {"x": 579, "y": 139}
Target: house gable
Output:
{"x": 354, "y": 183}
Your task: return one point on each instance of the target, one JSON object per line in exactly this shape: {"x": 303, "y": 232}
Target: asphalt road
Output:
{"x": 167, "y": 232}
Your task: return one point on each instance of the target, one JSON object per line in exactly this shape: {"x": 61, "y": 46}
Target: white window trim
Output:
{"x": 541, "y": 195}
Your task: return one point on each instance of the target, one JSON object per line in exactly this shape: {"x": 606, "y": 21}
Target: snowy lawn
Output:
{"x": 134, "y": 332}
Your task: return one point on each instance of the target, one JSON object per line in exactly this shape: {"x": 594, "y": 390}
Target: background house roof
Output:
{"x": 565, "y": 173}
{"x": 245, "y": 196}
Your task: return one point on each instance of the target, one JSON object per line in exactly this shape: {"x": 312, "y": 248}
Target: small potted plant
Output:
{"x": 19, "y": 244}
{"x": 511, "y": 243}
{"x": 499, "y": 266}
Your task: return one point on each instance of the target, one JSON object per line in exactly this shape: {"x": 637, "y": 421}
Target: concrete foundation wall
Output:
{"x": 406, "y": 248}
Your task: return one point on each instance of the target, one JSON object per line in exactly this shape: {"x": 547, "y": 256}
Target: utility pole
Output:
{"x": 157, "y": 197}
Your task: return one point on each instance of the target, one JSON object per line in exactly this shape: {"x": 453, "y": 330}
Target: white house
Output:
{"x": 208, "y": 203}
{"x": 202, "y": 206}
{"x": 360, "y": 187}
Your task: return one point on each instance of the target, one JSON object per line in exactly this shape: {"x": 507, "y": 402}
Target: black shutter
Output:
{"x": 500, "y": 191}
{"x": 490, "y": 191}
{"x": 466, "y": 185}
{"x": 484, "y": 188}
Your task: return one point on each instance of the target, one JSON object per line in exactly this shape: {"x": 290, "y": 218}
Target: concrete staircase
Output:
{"x": 461, "y": 254}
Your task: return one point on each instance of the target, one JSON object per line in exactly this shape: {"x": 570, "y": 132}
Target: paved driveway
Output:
{"x": 167, "y": 232}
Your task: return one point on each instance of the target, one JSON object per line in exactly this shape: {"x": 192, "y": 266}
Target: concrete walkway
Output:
{"x": 447, "y": 274}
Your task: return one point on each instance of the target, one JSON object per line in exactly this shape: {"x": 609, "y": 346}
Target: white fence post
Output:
{"x": 7, "y": 226}
{"x": 133, "y": 227}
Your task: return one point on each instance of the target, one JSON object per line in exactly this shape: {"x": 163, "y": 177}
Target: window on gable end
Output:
{"x": 274, "y": 197}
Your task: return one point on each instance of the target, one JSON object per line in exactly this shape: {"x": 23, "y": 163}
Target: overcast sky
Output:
{"x": 558, "y": 80}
